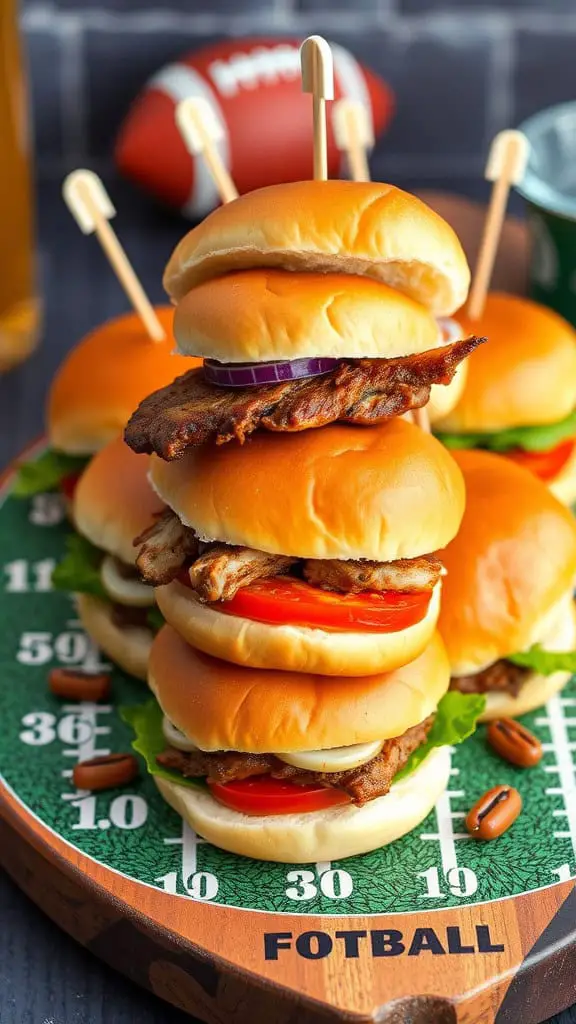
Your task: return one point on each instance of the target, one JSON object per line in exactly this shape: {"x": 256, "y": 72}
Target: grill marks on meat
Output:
{"x": 501, "y": 677}
{"x": 191, "y": 411}
{"x": 354, "y": 577}
{"x": 223, "y": 570}
{"x": 164, "y": 548}
{"x": 361, "y": 784}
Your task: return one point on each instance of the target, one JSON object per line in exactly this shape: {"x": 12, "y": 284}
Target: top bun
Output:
{"x": 114, "y": 501}
{"x": 260, "y": 315}
{"x": 105, "y": 377}
{"x": 383, "y": 493}
{"x": 513, "y": 560}
{"x": 220, "y": 706}
{"x": 344, "y": 227}
{"x": 526, "y": 375}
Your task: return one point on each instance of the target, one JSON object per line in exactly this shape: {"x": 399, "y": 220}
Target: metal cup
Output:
{"x": 549, "y": 187}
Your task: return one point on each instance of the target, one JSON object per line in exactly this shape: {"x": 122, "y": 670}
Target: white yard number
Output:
{"x": 126, "y": 812}
{"x": 69, "y": 648}
{"x": 42, "y": 728}
{"x": 22, "y": 577}
{"x": 460, "y": 882}
{"x": 336, "y": 885}
{"x": 46, "y": 510}
{"x": 200, "y": 885}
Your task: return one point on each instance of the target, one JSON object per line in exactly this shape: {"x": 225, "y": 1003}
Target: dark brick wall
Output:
{"x": 461, "y": 69}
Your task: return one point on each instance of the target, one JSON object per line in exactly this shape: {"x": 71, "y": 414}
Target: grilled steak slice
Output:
{"x": 353, "y": 577}
{"x": 165, "y": 547}
{"x": 126, "y": 616}
{"x": 223, "y": 570}
{"x": 501, "y": 677}
{"x": 191, "y": 411}
{"x": 361, "y": 784}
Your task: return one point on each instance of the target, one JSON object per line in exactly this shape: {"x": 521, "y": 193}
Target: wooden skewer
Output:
{"x": 318, "y": 78}
{"x": 201, "y": 131}
{"x": 354, "y": 135}
{"x": 92, "y": 208}
{"x": 505, "y": 167}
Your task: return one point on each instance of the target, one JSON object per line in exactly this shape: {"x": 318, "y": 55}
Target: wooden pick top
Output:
{"x": 354, "y": 135}
{"x": 201, "y": 131}
{"x": 506, "y": 164}
{"x": 318, "y": 78}
{"x": 92, "y": 208}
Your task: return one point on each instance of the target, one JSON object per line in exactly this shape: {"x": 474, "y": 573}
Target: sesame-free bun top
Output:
{"x": 346, "y": 227}
{"x": 512, "y": 561}
{"x": 114, "y": 502}
{"x": 105, "y": 377}
{"x": 220, "y": 706}
{"x": 384, "y": 492}
{"x": 525, "y": 375}
{"x": 260, "y": 315}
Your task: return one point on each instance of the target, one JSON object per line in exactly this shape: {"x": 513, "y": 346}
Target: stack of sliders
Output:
{"x": 105, "y": 486}
{"x": 302, "y": 709}
{"x": 519, "y": 398}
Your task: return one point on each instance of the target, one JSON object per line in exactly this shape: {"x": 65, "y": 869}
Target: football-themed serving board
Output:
{"x": 435, "y": 928}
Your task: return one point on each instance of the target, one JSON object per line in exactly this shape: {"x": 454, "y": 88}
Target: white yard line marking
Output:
{"x": 562, "y": 747}
{"x": 189, "y": 842}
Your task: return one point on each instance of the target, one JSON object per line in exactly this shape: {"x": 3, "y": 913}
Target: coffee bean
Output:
{"x": 494, "y": 812}
{"x": 105, "y": 772}
{"x": 74, "y": 684}
{"x": 514, "y": 743}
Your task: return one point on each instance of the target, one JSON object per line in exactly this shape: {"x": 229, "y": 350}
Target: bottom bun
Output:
{"x": 292, "y": 648}
{"x": 331, "y": 834}
{"x": 533, "y": 694}
{"x": 563, "y": 486}
{"x": 128, "y": 646}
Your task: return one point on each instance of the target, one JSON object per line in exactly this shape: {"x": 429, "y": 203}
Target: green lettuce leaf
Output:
{"x": 46, "y": 472}
{"x": 79, "y": 570}
{"x": 146, "y": 721}
{"x": 531, "y": 439}
{"x": 155, "y": 619}
{"x": 455, "y": 720}
{"x": 545, "y": 662}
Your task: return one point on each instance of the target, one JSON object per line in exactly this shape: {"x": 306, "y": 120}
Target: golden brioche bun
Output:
{"x": 563, "y": 485}
{"x": 260, "y": 315}
{"x": 114, "y": 502}
{"x": 128, "y": 646}
{"x": 348, "y": 227}
{"x": 105, "y": 377}
{"x": 525, "y": 375}
{"x": 513, "y": 561}
{"x": 292, "y": 648}
{"x": 331, "y": 834}
{"x": 386, "y": 492}
{"x": 443, "y": 397}
{"x": 220, "y": 706}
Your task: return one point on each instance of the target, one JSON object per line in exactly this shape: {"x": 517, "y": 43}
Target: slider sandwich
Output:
{"x": 93, "y": 392}
{"x": 519, "y": 398}
{"x": 312, "y": 303}
{"x": 112, "y": 502}
{"x": 296, "y": 767}
{"x": 507, "y": 615}
{"x": 312, "y": 552}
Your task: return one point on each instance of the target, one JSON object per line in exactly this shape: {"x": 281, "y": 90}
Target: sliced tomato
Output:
{"x": 265, "y": 795}
{"x": 295, "y": 603}
{"x": 545, "y": 465}
{"x": 68, "y": 484}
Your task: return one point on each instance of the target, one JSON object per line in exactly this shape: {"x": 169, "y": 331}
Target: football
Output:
{"x": 254, "y": 88}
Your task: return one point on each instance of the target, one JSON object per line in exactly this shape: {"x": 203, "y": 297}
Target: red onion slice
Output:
{"x": 246, "y": 375}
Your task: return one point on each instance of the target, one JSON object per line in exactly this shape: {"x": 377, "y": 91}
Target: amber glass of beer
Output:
{"x": 19, "y": 305}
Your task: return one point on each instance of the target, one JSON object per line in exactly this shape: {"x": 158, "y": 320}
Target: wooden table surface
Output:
{"x": 45, "y": 978}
